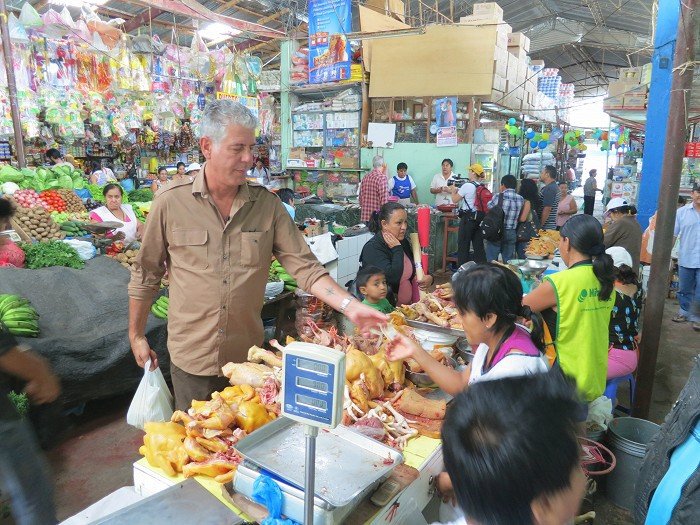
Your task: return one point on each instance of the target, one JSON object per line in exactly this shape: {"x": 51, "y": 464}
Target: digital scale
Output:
{"x": 325, "y": 475}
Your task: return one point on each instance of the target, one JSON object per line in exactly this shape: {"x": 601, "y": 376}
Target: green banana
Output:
{"x": 28, "y": 309}
{"x": 7, "y": 299}
{"x": 30, "y": 325}
{"x": 11, "y": 305}
{"x": 25, "y": 332}
{"x": 158, "y": 312}
{"x": 19, "y": 316}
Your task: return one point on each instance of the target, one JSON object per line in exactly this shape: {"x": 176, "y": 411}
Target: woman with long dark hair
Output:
{"x": 529, "y": 192}
{"x": 390, "y": 251}
{"x": 583, "y": 297}
{"x": 489, "y": 299}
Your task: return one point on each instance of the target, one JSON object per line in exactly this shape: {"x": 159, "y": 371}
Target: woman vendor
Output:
{"x": 582, "y": 297}
{"x": 10, "y": 254}
{"x": 391, "y": 252}
{"x": 115, "y": 211}
{"x": 100, "y": 175}
{"x": 624, "y": 230}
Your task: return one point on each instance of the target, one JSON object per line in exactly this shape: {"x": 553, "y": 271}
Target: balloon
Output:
{"x": 530, "y": 134}
{"x": 604, "y": 146}
{"x": 511, "y": 121}
{"x": 577, "y": 133}
{"x": 512, "y": 130}
{"x": 537, "y": 137}
{"x": 545, "y": 136}
{"x": 518, "y": 132}
{"x": 543, "y": 144}
{"x": 557, "y": 133}
{"x": 507, "y": 126}
{"x": 604, "y": 135}
{"x": 533, "y": 143}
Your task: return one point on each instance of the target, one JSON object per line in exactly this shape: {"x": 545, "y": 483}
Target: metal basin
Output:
{"x": 422, "y": 380}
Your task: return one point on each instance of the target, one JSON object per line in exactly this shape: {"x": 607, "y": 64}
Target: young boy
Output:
{"x": 371, "y": 283}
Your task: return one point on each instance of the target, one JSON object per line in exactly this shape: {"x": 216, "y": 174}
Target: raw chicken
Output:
{"x": 260, "y": 355}
{"x": 252, "y": 374}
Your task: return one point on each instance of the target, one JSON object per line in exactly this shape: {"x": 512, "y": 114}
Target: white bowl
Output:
{"x": 273, "y": 289}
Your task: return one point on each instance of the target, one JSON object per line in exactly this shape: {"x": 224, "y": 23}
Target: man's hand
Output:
{"x": 365, "y": 317}
{"x": 44, "y": 387}
{"x": 142, "y": 352}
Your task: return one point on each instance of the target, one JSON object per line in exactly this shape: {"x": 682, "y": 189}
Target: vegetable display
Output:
{"x": 21, "y": 402}
{"x": 278, "y": 273}
{"x": 126, "y": 259}
{"x": 18, "y": 316}
{"x": 28, "y": 199}
{"x": 141, "y": 195}
{"x": 42, "y": 178}
{"x": 74, "y": 229}
{"x": 37, "y": 223}
{"x": 53, "y": 201}
{"x": 74, "y": 204}
{"x": 160, "y": 307}
{"x": 95, "y": 192}
{"x": 51, "y": 253}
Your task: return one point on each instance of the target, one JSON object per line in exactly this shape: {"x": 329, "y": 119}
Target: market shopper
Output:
{"x": 115, "y": 210}
{"x": 624, "y": 230}
{"x": 529, "y": 192}
{"x": 469, "y": 197}
{"x": 374, "y": 189}
{"x": 402, "y": 186}
{"x": 607, "y": 189}
{"x": 624, "y": 321}
{"x": 489, "y": 299}
{"x": 511, "y": 449}
{"x": 260, "y": 174}
{"x": 287, "y": 197}
{"x": 24, "y": 472}
{"x": 567, "y": 205}
{"x": 549, "y": 197}
{"x": 160, "y": 180}
{"x": 11, "y": 255}
{"x": 687, "y": 227}
{"x": 440, "y": 185}
{"x": 180, "y": 171}
{"x": 583, "y": 297}
{"x": 55, "y": 158}
{"x": 217, "y": 234}
{"x": 512, "y": 205}
{"x": 101, "y": 175}
{"x": 390, "y": 251}
{"x": 590, "y": 187}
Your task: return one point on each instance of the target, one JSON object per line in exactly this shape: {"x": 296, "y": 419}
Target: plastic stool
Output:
{"x": 611, "y": 390}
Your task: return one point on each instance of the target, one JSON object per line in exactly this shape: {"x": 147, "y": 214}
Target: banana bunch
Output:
{"x": 160, "y": 307}
{"x": 18, "y": 316}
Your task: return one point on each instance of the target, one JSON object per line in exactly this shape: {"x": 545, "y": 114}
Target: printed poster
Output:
{"x": 445, "y": 111}
{"x": 329, "y": 48}
{"x": 250, "y": 102}
{"x": 447, "y": 136}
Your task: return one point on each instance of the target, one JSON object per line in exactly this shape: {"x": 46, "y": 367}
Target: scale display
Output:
{"x": 313, "y": 384}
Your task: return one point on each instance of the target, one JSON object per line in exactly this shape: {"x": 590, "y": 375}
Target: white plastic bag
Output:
{"x": 85, "y": 249}
{"x": 152, "y": 401}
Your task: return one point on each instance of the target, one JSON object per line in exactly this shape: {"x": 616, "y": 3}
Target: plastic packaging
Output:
{"x": 152, "y": 401}
{"x": 85, "y": 249}
{"x": 267, "y": 493}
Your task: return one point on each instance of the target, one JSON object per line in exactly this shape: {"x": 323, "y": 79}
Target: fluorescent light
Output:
{"x": 78, "y": 3}
{"x": 216, "y": 31}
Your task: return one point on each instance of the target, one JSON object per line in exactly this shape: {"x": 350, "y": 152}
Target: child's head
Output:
{"x": 371, "y": 282}
{"x": 511, "y": 451}
{"x": 489, "y": 298}
{"x": 401, "y": 169}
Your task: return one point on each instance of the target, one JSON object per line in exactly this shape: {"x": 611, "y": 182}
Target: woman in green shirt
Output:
{"x": 582, "y": 298}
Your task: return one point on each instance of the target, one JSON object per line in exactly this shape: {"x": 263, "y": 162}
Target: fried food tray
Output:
{"x": 435, "y": 328}
{"x": 347, "y": 463}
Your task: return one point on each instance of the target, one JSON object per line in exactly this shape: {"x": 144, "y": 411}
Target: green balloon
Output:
{"x": 512, "y": 130}
{"x": 537, "y": 137}
{"x": 518, "y": 132}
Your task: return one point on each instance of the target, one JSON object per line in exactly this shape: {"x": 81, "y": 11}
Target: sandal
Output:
{"x": 680, "y": 318}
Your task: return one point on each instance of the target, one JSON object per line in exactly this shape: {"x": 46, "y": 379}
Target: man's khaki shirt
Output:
{"x": 217, "y": 270}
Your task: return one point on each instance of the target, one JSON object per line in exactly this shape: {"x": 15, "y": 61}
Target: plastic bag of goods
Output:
{"x": 152, "y": 401}
{"x": 85, "y": 249}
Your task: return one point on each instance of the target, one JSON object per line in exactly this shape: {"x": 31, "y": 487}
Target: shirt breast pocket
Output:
{"x": 252, "y": 246}
{"x": 188, "y": 249}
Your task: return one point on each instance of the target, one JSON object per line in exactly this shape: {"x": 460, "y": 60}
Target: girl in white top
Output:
{"x": 489, "y": 299}
{"x": 115, "y": 211}
{"x": 439, "y": 186}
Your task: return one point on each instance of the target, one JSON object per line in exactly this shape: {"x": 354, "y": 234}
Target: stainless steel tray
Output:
{"x": 435, "y": 328}
{"x": 346, "y": 462}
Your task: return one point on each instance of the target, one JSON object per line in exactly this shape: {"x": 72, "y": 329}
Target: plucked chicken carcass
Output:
{"x": 260, "y": 355}
{"x": 253, "y": 374}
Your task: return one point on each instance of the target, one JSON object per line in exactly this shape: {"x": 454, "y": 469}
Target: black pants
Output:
{"x": 588, "y": 205}
{"x": 470, "y": 235}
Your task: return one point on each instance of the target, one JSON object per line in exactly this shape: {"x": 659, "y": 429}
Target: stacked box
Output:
{"x": 549, "y": 82}
{"x": 519, "y": 40}
{"x": 630, "y": 74}
{"x": 636, "y": 98}
{"x": 488, "y": 8}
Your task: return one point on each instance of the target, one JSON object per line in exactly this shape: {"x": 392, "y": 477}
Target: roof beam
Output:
{"x": 142, "y": 19}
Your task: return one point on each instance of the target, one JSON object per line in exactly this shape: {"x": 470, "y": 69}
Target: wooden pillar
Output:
{"x": 471, "y": 123}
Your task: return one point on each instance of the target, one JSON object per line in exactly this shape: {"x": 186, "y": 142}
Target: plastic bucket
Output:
{"x": 628, "y": 438}
{"x": 432, "y": 340}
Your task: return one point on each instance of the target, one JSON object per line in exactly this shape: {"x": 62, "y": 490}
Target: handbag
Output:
{"x": 526, "y": 230}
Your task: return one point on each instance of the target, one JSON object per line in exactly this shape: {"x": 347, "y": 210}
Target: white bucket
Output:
{"x": 646, "y": 271}
{"x": 431, "y": 340}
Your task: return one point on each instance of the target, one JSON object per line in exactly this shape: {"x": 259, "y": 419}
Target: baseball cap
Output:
{"x": 619, "y": 256}
{"x": 617, "y": 202}
{"x": 477, "y": 168}
{"x": 193, "y": 167}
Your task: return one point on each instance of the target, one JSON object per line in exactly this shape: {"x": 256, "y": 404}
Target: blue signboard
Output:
{"x": 329, "y": 49}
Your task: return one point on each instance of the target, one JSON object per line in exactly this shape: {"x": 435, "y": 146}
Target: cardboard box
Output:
{"x": 513, "y": 66}
{"x": 635, "y": 101}
{"x": 393, "y": 8}
{"x": 488, "y": 8}
{"x": 537, "y": 63}
{"x": 372, "y": 22}
{"x": 612, "y": 103}
{"x": 500, "y": 68}
{"x": 518, "y": 52}
{"x": 522, "y": 72}
{"x": 499, "y": 83}
{"x": 519, "y": 40}
{"x": 495, "y": 96}
{"x": 630, "y": 74}
{"x": 618, "y": 88}
{"x": 645, "y": 77}
{"x": 297, "y": 153}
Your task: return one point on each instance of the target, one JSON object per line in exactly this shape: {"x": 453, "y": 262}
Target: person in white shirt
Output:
{"x": 402, "y": 185}
{"x": 440, "y": 186}
{"x": 470, "y": 217}
{"x": 511, "y": 450}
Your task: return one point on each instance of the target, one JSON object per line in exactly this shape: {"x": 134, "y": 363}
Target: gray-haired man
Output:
{"x": 217, "y": 233}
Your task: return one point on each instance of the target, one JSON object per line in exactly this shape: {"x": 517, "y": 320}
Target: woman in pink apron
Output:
{"x": 115, "y": 211}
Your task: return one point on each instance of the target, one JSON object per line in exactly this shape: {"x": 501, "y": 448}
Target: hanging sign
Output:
{"x": 250, "y": 102}
{"x": 446, "y": 136}
{"x": 329, "y": 48}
